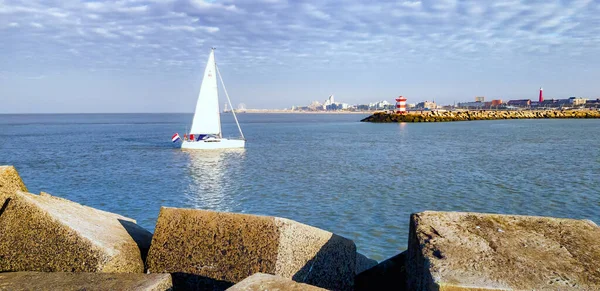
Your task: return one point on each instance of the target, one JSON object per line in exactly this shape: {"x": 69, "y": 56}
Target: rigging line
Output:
{"x": 228, "y": 100}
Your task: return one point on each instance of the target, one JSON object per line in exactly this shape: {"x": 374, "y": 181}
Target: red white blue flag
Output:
{"x": 175, "y": 137}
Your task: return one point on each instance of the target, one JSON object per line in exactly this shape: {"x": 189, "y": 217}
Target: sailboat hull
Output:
{"x": 214, "y": 144}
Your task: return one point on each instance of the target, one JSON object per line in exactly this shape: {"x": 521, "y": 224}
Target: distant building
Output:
{"x": 593, "y": 102}
{"x": 315, "y": 105}
{"x": 519, "y": 103}
{"x": 478, "y": 104}
{"x": 577, "y": 101}
{"x": 426, "y": 105}
{"x": 381, "y": 105}
{"x": 497, "y": 102}
{"x": 330, "y": 101}
{"x": 468, "y": 105}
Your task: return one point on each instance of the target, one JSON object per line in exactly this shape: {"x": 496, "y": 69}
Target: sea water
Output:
{"x": 359, "y": 180}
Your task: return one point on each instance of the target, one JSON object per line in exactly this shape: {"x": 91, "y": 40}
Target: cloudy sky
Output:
{"x": 148, "y": 55}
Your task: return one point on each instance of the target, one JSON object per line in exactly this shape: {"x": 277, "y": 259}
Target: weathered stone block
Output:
{"x": 216, "y": 250}
{"x": 10, "y": 182}
{"x": 261, "y": 282}
{"x": 474, "y": 251}
{"x": 84, "y": 281}
{"x": 387, "y": 275}
{"x": 51, "y": 234}
{"x": 364, "y": 263}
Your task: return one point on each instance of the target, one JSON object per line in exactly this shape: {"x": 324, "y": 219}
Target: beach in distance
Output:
{"x": 356, "y": 179}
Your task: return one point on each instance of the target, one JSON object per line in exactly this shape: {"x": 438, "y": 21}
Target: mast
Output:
{"x": 212, "y": 51}
{"x": 229, "y": 100}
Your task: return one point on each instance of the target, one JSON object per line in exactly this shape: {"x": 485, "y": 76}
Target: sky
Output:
{"x": 67, "y": 56}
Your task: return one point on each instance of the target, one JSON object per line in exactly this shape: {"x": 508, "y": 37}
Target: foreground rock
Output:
{"x": 212, "y": 250}
{"x": 50, "y": 234}
{"x": 10, "y": 182}
{"x": 261, "y": 281}
{"x": 473, "y": 251}
{"x": 84, "y": 281}
{"x": 364, "y": 263}
{"x": 387, "y": 275}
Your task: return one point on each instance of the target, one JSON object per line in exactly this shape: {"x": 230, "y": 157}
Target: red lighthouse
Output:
{"x": 541, "y": 95}
{"x": 400, "y": 105}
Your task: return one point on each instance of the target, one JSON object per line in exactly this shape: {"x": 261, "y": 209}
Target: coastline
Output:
{"x": 301, "y": 112}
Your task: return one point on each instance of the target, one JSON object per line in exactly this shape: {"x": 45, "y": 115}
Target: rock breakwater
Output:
{"x": 50, "y": 243}
{"x": 447, "y": 116}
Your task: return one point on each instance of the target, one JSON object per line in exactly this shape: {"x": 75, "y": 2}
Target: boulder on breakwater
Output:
{"x": 387, "y": 275}
{"x": 475, "y": 251}
{"x": 446, "y": 116}
{"x": 10, "y": 182}
{"x": 214, "y": 250}
{"x": 364, "y": 263}
{"x": 51, "y": 234}
{"x": 84, "y": 281}
{"x": 261, "y": 281}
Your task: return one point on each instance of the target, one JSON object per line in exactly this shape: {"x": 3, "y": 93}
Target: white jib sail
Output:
{"x": 206, "y": 117}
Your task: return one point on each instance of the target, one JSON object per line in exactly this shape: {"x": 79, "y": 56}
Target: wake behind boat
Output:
{"x": 206, "y": 126}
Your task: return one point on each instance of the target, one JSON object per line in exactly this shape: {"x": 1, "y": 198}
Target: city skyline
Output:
{"x": 148, "y": 55}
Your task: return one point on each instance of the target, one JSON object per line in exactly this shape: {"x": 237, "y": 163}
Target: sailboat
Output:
{"x": 205, "y": 132}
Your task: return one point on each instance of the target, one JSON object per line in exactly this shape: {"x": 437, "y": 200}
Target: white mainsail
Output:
{"x": 206, "y": 118}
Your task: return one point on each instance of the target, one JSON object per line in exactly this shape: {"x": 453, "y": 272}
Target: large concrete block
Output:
{"x": 387, "y": 275}
{"x": 216, "y": 250}
{"x": 364, "y": 263}
{"x": 84, "y": 281}
{"x": 261, "y": 282}
{"x": 51, "y": 234}
{"x": 474, "y": 251}
{"x": 10, "y": 182}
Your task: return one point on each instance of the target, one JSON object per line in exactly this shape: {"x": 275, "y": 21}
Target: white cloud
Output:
{"x": 339, "y": 33}
{"x": 411, "y": 4}
{"x": 36, "y": 25}
{"x": 191, "y": 28}
{"x": 312, "y": 11}
{"x": 205, "y": 5}
{"x": 96, "y": 6}
{"x": 141, "y": 8}
{"x": 105, "y": 32}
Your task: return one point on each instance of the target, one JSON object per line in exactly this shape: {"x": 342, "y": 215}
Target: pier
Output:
{"x": 468, "y": 115}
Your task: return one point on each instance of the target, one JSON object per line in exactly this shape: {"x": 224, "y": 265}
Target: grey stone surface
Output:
{"x": 311, "y": 255}
{"x": 50, "y": 234}
{"x": 363, "y": 263}
{"x": 10, "y": 182}
{"x": 216, "y": 250}
{"x": 262, "y": 282}
{"x": 18, "y": 281}
{"x": 387, "y": 275}
{"x": 475, "y": 251}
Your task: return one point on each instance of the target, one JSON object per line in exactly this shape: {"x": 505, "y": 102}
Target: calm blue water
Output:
{"x": 358, "y": 180}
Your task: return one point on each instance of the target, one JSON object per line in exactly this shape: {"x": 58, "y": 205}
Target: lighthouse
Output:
{"x": 541, "y": 95}
{"x": 400, "y": 105}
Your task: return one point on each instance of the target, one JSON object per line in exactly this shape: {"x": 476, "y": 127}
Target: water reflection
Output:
{"x": 402, "y": 126}
{"x": 213, "y": 178}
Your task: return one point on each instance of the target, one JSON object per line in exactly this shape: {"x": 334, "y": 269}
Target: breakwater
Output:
{"x": 447, "y": 116}
{"x": 50, "y": 243}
